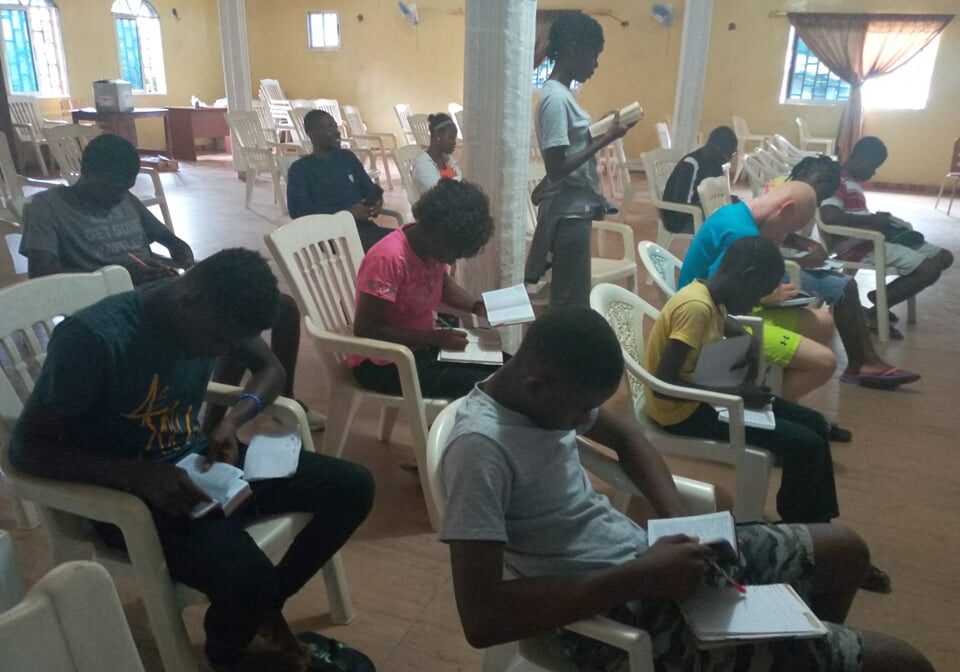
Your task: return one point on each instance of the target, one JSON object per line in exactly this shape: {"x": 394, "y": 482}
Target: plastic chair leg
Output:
{"x": 753, "y": 480}
{"x": 912, "y": 310}
{"x": 249, "y": 179}
{"x": 340, "y": 414}
{"x": 388, "y": 418}
{"x": 338, "y": 592}
{"x": 38, "y": 150}
{"x": 418, "y": 433}
{"x": 883, "y": 316}
{"x": 164, "y": 612}
{"x": 26, "y": 514}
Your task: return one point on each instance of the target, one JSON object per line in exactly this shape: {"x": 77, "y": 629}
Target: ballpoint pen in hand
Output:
{"x": 732, "y": 581}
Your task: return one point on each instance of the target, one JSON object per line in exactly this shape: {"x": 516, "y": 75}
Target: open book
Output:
{"x": 724, "y": 617}
{"x": 222, "y": 482}
{"x": 759, "y": 418}
{"x": 483, "y": 347}
{"x": 630, "y": 114}
{"x": 716, "y": 530}
{"x": 272, "y": 456}
{"x": 722, "y": 363}
{"x": 510, "y": 305}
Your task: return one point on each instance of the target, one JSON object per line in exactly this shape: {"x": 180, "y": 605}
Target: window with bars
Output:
{"x": 33, "y": 48}
{"x": 139, "y": 45}
{"x": 809, "y": 79}
{"x": 323, "y": 31}
{"x": 542, "y": 73}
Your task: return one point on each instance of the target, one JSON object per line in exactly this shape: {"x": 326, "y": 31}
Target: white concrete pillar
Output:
{"x": 498, "y": 61}
{"x": 236, "y": 61}
{"x": 692, "y": 73}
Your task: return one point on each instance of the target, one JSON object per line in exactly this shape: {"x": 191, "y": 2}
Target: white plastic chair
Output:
{"x": 773, "y": 168}
{"x": 258, "y": 154}
{"x": 756, "y": 174}
{"x": 531, "y": 654}
{"x": 828, "y": 236}
{"x": 405, "y": 157}
{"x": 744, "y": 136}
{"x": 12, "y": 202}
{"x": 420, "y": 128}
{"x": 714, "y": 194}
{"x": 319, "y": 256}
{"x": 661, "y": 266}
{"x": 377, "y": 144}
{"x": 70, "y": 621}
{"x": 784, "y": 160}
{"x": 793, "y": 153}
{"x": 67, "y": 143}
{"x": 267, "y": 122}
{"x": 954, "y": 175}
{"x": 663, "y": 135}
{"x": 27, "y": 314}
{"x": 31, "y": 127}
{"x": 403, "y": 113}
{"x": 615, "y": 177}
{"x": 806, "y": 139}
{"x": 658, "y": 165}
{"x": 11, "y": 582}
{"x": 272, "y": 95}
{"x": 456, "y": 113}
{"x": 626, "y": 313}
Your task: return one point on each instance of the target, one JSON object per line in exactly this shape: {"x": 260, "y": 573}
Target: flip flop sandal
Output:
{"x": 889, "y": 379}
{"x": 329, "y": 655}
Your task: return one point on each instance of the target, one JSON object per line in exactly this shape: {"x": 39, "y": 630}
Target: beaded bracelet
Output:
{"x": 255, "y": 398}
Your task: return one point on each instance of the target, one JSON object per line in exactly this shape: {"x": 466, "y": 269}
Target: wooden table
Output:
{"x": 188, "y": 123}
{"x": 124, "y": 123}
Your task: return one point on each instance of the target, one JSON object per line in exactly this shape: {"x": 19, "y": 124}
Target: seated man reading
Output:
{"x": 117, "y": 404}
{"x": 692, "y": 169}
{"x": 517, "y": 495}
{"x": 919, "y": 263}
{"x": 332, "y": 179}
{"x": 98, "y": 222}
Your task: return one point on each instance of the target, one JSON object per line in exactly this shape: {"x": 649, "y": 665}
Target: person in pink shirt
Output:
{"x": 404, "y": 279}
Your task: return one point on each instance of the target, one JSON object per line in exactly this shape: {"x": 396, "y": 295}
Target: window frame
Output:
{"x": 49, "y": 6}
{"x": 323, "y": 12}
{"x": 136, "y": 18}
{"x": 788, "y": 72}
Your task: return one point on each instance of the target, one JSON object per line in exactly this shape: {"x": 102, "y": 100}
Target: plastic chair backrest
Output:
{"x": 246, "y": 129}
{"x": 10, "y": 185}
{"x": 420, "y": 128}
{"x": 663, "y": 135}
{"x": 263, "y": 113}
{"x": 332, "y": 107}
{"x": 955, "y": 164}
{"x": 740, "y": 127}
{"x": 755, "y": 174}
{"x": 659, "y": 164}
{"x": 714, "y": 194}
{"x": 403, "y": 116}
{"x": 67, "y": 144}
{"x": 771, "y": 167}
{"x": 28, "y": 313}
{"x": 353, "y": 119}
{"x": 70, "y": 621}
{"x": 319, "y": 256}
{"x": 405, "y": 157}
{"x": 270, "y": 90}
{"x": 627, "y": 313}
{"x": 803, "y": 130}
{"x": 661, "y": 266}
{"x": 436, "y": 445}
{"x": 26, "y": 110}
{"x": 297, "y": 120}
{"x": 781, "y": 160}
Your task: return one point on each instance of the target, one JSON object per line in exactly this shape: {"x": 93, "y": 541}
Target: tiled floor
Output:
{"x": 899, "y": 480}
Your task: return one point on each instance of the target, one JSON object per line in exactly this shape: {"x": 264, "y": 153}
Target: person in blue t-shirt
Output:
{"x": 117, "y": 404}
{"x": 332, "y": 179}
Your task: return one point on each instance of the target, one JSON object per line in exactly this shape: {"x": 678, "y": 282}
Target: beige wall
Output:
{"x": 191, "y": 54}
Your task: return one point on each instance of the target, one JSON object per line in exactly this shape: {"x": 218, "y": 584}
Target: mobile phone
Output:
{"x": 375, "y": 196}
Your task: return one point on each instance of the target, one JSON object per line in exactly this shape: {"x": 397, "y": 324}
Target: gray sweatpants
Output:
{"x": 570, "y": 281}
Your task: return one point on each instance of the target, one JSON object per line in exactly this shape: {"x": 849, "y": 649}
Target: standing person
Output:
{"x": 693, "y": 169}
{"x": 570, "y": 197}
{"x": 436, "y": 162}
{"x": 117, "y": 404}
{"x": 332, "y": 179}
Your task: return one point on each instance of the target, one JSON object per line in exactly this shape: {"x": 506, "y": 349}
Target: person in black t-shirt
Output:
{"x": 692, "y": 169}
{"x": 332, "y": 179}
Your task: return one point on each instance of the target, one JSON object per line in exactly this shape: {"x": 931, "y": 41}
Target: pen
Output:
{"x": 732, "y": 581}
{"x": 137, "y": 260}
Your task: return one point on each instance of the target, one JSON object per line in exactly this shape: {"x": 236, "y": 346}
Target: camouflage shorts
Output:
{"x": 769, "y": 554}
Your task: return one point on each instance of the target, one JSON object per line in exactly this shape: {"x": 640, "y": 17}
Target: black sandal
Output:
{"x": 329, "y": 655}
{"x": 839, "y": 434}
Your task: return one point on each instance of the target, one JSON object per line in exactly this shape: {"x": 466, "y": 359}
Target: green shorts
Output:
{"x": 780, "y": 337}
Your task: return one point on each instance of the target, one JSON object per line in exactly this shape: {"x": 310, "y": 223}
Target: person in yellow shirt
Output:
{"x": 697, "y": 315}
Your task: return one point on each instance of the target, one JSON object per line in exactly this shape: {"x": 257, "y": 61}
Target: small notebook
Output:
{"x": 510, "y": 305}
{"x": 722, "y": 363}
{"x": 483, "y": 347}
{"x": 222, "y": 482}
{"x": 630, "y": 114}
{"x": 716, "y": 530}
{"x": 724, "y": 617}
{"x": 759, "y": 418}
{"x": 272, "y": 456}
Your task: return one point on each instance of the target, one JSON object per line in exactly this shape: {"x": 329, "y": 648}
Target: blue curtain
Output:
{"x": 17, "y": 49}
{"x": 128, "y": 46}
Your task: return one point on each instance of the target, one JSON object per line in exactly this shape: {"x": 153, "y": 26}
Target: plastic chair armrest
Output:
{"x": 364, "y": 347}
{"x": 392, "y": 214}
{"x": 56, "y": 122}
{"x": 385, "y": 137}
{"x": 622, "y": 230}
{"x": 853, "y": 232}
{"x": 31, "y": 131}
{"x": 288, "y": 411}
{"x": 41, "y": 184}
{"x": 608, "y": 631}
{"x": 694, "y": 210}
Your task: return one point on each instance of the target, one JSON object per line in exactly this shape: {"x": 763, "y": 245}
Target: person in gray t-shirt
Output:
{"x": 97, "y": 221}
{"x": 517, "y": 496}
{"x": 570, "y": 197}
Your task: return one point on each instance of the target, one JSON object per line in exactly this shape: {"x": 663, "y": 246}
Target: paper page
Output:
{"x": 216, "y": 482}
{"x": 483, "y": 347}
{"x": 510, "y": 305}
{"x": 764, "y": 610}
{"x": 717, "y": 359}
{"x": 759, "y": 418}
{"x": 272, "y": 456}
{"x": 710, "y": 527}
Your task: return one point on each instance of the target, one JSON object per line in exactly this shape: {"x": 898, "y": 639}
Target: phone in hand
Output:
{"x": 375, "y": 197}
